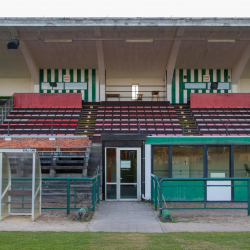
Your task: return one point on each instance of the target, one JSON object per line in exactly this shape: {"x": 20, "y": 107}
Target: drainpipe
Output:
{"x": 143, "y": 170}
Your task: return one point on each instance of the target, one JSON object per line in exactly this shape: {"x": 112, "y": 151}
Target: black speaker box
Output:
{"x": 214, "y": 85}
{"x": 13, "y": 44}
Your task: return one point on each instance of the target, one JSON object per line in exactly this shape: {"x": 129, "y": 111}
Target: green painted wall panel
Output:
{"x": 79, "y": 76}
{"x": 181, "y": 87}
{"x": 75, "y": 76}
{"x": 56, "y": 75}
{"x": 173, "y": 89}
{"x": 86, "y": 74}
{"x": 41, "y": 75}
{"x": 240, "y": 193}
{"x": 196, "y": 74}
{"x": 71, "y": 73}
{"x": 199, "y": 140}
{"x": 179, "y": 95}
{"x": 183, "y": 193}
{"x": 93, "y": 85}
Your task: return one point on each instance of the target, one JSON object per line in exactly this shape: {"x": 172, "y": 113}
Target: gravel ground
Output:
{"x": 219, "y": 220}
{"x": 201, "y": 220}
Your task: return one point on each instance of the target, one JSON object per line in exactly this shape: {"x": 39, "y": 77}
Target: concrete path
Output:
{"x": 125, "y": 217}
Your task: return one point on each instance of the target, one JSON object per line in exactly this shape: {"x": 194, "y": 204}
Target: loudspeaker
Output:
{"x": 53, "y": 84}
{"x": 214, "y": 85}
{"x": 13, "y": 44}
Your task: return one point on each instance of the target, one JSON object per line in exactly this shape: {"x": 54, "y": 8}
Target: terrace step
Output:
{"x": 186, "y": 119}
{"x": 88, "y": 118}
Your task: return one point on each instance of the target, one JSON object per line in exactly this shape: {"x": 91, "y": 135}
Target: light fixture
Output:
{"x": 221, "y": 40}
{"x": 13, "y": 44}
{"x": 139, "y": 40}
{"x": 57, "y": 40}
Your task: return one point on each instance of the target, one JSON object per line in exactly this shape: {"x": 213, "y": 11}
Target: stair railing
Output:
{"x": 6, "y": 108}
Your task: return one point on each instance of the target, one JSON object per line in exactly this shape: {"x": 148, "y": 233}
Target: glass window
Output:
{"x": 241, "y": 161}
{"x": 111, "y": 165}
{"x": 135, "y": 88}
{"x": 195, "y": 85}
{"x": 160, "y": 164}
{"x": 187, "y": 161}
{"x": 75, "y": 85}
{"x": 221, "y": 85}
{"x": 46, "y": 85}
{"x": 218, "y": 162}
{"x": 59, "y": 85}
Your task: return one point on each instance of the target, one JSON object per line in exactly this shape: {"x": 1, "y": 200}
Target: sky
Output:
{"x": 124, "y": 8}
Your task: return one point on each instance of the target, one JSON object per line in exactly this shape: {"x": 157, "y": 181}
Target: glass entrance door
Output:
{"x": 123, "y": 174}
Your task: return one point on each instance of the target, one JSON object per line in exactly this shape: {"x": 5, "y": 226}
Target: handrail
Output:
{"x": 155, "y": 181}
{"x": 6, "y": 108}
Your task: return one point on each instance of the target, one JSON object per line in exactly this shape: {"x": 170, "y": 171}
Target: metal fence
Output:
{"x": 158, "y": 198}
{"x": 6, "y": 108}
{"x": 70, "y": 185}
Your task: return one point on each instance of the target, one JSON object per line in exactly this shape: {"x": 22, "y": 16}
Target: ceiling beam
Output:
{"x": 13, "y": 32}
{"x": 172, "y": 61}
{"x": 29, "y": 58}
{"x": 239, "y": 66}
{"x": 31, "y": 63}
{"x": 101, "y": 63}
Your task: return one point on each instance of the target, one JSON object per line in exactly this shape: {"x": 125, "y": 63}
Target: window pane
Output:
{"x": 128, "y": 165}
{"x": 195, "y": 85}
{"x": 128, "y": 191}
{"x": 59, "y": 85}
{"x": 241, "y": 161}
{"x": 45, "y": 85}
{"x": 221, "y": 85}
{"x": 187, "y": 161}
{"x": 218, "y": 161}
{"x": 134, "y": 91}
{"x": 111, "y": 165}
{"x": 75, "y": 85}
{"x": 160, "y": 164}
{"x": 111, "y": 192}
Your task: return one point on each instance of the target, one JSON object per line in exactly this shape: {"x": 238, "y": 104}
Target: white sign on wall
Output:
{"x": 126, "y": 164}
{"x": 206, "y": 78}
{"x": 66, "y": 78}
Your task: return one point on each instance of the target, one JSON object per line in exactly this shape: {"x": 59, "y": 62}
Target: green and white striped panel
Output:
{"x": 181, "y": 95}
{"x": 90, "y": 76}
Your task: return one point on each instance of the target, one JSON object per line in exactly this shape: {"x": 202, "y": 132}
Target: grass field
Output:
{"x": 101, "y": 240}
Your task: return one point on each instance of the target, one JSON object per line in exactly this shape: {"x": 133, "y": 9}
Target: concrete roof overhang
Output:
{"x": 124, "y": 59}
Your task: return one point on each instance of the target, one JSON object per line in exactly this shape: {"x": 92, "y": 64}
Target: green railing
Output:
{"x": 69, "y": 184}
{"x": 157, "y": 186}
{"x": 154, "y": 191}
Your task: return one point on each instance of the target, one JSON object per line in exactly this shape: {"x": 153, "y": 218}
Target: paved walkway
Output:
{"x": 125, "y": 217}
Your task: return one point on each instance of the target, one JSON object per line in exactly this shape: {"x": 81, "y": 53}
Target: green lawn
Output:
{"x": 89, "y": 240}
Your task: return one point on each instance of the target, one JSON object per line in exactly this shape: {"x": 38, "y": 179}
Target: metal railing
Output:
{"x": 6, "y": 108}
{"x": 70, "y": 184}
{"x": 157, "y": 196}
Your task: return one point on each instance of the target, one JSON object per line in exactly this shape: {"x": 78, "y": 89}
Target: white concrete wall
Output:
{"x": 9, "y": 86}
{"x": 244, "y": 85}
{"x": 148, "y": 171}
{"x": 154, "y": 84}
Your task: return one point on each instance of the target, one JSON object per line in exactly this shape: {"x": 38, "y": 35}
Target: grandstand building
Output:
{"x": 134, "y": 96}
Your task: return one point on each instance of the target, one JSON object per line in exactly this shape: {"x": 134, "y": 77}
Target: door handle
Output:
{"x": 120, "y": 178}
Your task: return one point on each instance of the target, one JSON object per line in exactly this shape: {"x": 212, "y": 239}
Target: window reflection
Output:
{"x": 187, "y": 161}
{"x": 241, "y": 161}
{"x": 160, "y": 156}
{"x": 111, "y": 165}
{"x": 218, "y": 162}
